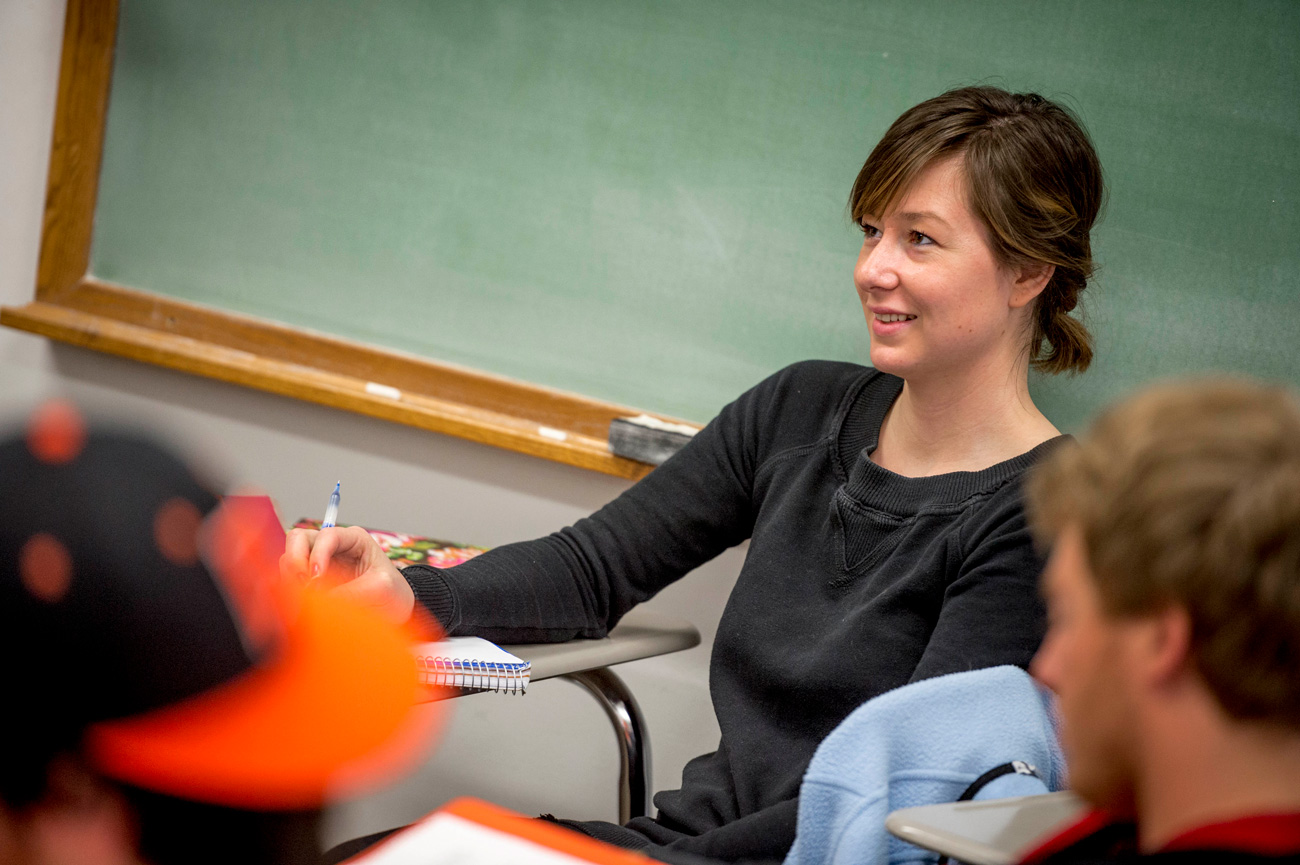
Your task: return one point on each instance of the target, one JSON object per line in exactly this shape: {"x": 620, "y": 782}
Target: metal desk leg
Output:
{"x": 633, "y": 742}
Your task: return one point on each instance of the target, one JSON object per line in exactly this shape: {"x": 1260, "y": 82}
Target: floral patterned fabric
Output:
{"x": 412, "y": 549}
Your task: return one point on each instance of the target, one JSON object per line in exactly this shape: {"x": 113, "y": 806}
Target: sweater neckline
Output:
{"x": 878, "y": 487}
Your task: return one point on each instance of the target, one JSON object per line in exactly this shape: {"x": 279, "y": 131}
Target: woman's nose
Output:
{"x": 877, "y": 267}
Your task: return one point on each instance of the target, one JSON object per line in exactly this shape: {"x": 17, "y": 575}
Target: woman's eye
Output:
{"x": 869, "y": 230}
{"x": 921, "y": 239}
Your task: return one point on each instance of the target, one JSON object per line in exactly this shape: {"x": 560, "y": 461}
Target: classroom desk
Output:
{"x": 987, "y": 832}
{"x": 642, "y": 633}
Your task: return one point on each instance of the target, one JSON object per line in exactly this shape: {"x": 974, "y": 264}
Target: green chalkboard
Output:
{"x": 644, "y": 201}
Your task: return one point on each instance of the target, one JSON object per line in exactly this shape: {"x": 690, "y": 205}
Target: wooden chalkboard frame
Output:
{"x": 74, "y": 307}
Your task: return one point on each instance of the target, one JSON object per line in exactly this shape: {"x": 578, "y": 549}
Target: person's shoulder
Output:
{"x": 1216, "y": 857}
{"x": 796, "y": 406}
{"x": 995, "y": 509}
{"x": 812, "y": 393}
{"x": 1168, "y": 857}
{"x": 812, "y": 381}
{"x": 815, "y": 370}
{"x": 1095, "y": 839}
{"x": 1002, "y": 483}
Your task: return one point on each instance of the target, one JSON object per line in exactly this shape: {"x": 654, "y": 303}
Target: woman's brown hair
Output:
{"x": 1033, "y": 179}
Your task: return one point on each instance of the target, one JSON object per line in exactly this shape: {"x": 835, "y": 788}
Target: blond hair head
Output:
{"x": 1188, "y": 494}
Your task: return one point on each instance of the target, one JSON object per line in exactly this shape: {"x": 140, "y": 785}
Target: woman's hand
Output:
{"x": 350, "y": 560}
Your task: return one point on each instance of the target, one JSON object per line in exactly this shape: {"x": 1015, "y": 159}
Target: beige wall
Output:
{"x": 549, "y": 751}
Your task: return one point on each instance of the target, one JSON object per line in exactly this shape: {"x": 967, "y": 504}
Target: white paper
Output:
{"x": 445, "y": 839}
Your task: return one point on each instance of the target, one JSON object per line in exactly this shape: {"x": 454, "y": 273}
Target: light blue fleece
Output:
{"x": 922, "y": 744}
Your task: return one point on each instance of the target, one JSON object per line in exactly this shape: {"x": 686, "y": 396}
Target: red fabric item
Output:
{"x": 1265, "y": 834}
{"x": 1262, "y": 834}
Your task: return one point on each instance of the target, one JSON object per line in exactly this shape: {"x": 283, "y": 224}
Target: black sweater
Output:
{"x": 857, "y": 581}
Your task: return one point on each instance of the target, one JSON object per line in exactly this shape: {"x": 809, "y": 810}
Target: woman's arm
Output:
{"x": 580, "y": 580}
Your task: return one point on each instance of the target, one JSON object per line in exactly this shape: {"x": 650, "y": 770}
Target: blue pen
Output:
{"x": 332, "y": 512}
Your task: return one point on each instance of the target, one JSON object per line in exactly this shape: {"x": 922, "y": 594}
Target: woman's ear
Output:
{"x": 1030, "y": 280}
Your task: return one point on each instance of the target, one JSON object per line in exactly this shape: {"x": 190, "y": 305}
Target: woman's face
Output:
{"x": 935, "y": 297}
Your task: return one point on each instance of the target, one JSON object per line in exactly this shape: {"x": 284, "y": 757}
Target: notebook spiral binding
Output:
{"x": 476, "y": 675}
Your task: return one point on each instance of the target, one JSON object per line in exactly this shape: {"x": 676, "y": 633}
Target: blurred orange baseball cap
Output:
{"x": 144, "y": 619}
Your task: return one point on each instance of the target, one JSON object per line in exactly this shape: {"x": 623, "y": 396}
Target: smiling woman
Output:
{"x": 977, "y": 208}
{"x": 887, "y": 536}
{"x": 1031, "y": 178}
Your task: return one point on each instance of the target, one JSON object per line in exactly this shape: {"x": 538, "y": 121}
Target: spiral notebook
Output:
{"x": 472, "y": 663}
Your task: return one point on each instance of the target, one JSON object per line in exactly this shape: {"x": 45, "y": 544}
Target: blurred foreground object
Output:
{"x": 471, "y": 832}
{"x": 158, "y": 663}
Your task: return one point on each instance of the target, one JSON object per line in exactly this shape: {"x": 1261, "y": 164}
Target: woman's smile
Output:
{"x": 887, "y": 322}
